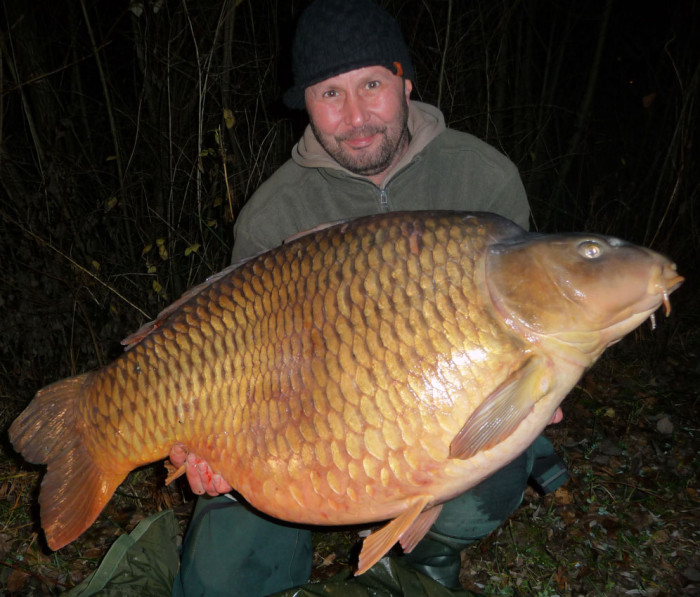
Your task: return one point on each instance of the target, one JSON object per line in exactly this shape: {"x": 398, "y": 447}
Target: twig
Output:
{"x": 12, "y": 66}
{"x": 93, "y": 336}
{"x": 18, "y": 85}
{"x": 41, "y": 241}
{"x": 635, "y": 487}
{"x": 676, "y": 151}
{"x": 112, "y": 123}
{"x": 222, "y": 152}
{"x": 41, "y": 577}
{"x": 444, "y": 51}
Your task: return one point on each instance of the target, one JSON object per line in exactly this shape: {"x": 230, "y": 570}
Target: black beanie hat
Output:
{"x": 337, "y": 36}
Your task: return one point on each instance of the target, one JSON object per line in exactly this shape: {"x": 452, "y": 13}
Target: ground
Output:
{"x": 627, "y": 523}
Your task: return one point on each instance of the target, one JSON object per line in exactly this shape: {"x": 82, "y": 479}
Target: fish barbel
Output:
{"x": 364, "y": 372}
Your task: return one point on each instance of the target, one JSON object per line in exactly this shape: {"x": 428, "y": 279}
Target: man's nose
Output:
{"x": 355, "y": 110}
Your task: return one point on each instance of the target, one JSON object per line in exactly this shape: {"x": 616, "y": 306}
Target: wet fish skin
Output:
{"x": 365, "y": 372}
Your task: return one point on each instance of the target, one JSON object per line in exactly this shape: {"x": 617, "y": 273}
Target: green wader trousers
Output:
{"x": 231, "y": 550}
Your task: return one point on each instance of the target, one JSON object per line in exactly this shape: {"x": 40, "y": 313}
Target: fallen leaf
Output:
{"x": 561, "y": 577}
{"x": 664, "y": 425}
{"x": 563, "y": 496}
{"x": 568, "y": 515}
{"x": 692, "y": 574}
{"x": 6, "y": 542}
{"x": 661, "y": 536}
{"x": 16, "y": 581}
{"x": 92, "y": 553}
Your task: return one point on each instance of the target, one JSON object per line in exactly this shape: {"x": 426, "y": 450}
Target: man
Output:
{"x": 368, "y": 149}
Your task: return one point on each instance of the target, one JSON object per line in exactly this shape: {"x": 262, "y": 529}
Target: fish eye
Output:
{"x": 590, "y": 249}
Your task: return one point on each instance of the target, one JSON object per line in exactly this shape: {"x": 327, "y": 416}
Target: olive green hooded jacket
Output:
{"x": 442, "y": 169}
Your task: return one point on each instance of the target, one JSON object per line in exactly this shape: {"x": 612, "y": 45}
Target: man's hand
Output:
{"x": 199, "y": 474}
{"x": 557, "y": 417}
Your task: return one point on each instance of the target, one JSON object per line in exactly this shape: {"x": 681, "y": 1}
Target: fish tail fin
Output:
{"x": 74, "y": 489}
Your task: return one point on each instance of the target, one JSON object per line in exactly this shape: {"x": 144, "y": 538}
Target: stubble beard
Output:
{"x": 394, "y": 138}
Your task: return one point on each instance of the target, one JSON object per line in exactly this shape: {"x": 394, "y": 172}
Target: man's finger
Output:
{"x": 194, "y": 475}
{"x": 557, "y": 417}
{"x": 178, "y": 454}
{"x": 221, "y": 485}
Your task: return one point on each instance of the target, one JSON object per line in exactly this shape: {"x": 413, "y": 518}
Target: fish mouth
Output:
{"x": 663, "y": 285}
{"x": 668, "y": 281}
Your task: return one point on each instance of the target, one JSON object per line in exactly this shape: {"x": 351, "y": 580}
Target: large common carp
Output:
{"x": 364, "y": 372}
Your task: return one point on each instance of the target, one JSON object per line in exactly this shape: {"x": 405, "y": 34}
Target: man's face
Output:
{"x": 360, "y": 118}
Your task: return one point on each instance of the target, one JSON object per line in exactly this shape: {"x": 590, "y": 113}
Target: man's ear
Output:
{"x": 407, "y": 88}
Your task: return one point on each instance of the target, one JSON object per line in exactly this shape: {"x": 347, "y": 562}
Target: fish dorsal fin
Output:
{"x": 503, "y": 410}
{"x": 381, "y": 541}
{"x": 147, "y": 328}
{"x": 308, "y": 231}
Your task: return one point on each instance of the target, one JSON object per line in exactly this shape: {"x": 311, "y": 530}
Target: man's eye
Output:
{"x": 373, "y": 85}
{"x": 331, "y": 93}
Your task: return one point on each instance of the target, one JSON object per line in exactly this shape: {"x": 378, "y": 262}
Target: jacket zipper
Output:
{"x": 383, "y": 200}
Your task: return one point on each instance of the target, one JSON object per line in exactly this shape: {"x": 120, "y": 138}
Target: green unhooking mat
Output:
{"x": 140, "y": 564}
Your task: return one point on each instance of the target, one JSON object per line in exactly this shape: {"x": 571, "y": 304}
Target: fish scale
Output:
{"x": 366, "y": 371}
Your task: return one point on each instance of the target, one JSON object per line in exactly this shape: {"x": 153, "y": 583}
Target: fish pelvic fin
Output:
{"x": 419, "y": 528}
{"x": 74, "y": 489}
{"x": 381, "y": 541}
{"x": 503, "y": 410}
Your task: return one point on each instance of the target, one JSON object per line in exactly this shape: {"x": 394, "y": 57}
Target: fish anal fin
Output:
{"x": 74, "y": 489}
{"x": 381, "y": 541}
{"x": 419, "y": 528}
{"x": 503, "y": 410}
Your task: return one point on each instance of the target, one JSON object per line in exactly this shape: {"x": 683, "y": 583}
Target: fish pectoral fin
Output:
{"x": 381, "y": 541}
{"x": 503, "y": 410}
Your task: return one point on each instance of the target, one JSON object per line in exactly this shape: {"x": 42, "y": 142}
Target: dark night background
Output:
{"x": 132, "y": 133}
